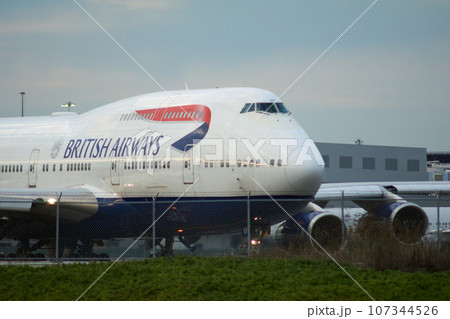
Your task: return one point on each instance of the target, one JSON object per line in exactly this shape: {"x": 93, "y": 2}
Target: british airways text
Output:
{"x": 113, "y": 147}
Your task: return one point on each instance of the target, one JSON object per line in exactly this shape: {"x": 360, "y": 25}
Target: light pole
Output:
{"x": 22, "y": 93}
{"x": 68, "y": 104}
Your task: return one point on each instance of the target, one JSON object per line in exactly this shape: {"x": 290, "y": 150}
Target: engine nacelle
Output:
{"x": 409, "y": 221}
{"x": 323, "y": 229}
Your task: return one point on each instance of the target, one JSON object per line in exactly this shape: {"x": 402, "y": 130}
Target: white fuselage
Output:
{"x": 116, "y": 152}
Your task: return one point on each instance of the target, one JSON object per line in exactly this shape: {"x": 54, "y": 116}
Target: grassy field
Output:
{"x": 224, "y": 278}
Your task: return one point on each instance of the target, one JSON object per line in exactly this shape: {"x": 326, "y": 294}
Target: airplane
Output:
{"x": 193, "y": 158}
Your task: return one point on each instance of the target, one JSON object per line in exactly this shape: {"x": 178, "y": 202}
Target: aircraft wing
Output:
{"x": 385, "y": 200}
{"x": 76, "y": 204}
{"x": 378, "y": 190}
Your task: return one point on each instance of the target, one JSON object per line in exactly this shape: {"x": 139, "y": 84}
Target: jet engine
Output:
{"x": 409, "y": 221}
{"x": 324, "y": 230}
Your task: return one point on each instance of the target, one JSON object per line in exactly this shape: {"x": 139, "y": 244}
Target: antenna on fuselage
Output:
{"x": 186, "y": 85}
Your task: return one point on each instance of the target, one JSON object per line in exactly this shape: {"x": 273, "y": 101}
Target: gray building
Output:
{"x": 363, "y": 163}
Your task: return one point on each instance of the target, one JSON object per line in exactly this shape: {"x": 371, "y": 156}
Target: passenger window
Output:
{"x": 228, "y": 163}
{"x": 239, "y": 163}
{"x": 245, "y": 163}
{"x": 258, "y": 163}
{"x": 280, "y": 162}
{"x": 222, "y": 163}
{"x": 168, "y": 164}
{"x": 251, "y": 163}
{"x": 272, "y": 162}
{"x": 60, "y": 167}
{"x": 206, "y": 163}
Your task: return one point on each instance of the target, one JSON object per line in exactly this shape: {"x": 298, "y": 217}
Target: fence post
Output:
{"x": 249, "y": 239}
{"x": 57, "y": 231}
{"x": 342, "y": 215}
{"x": 438, "y": 222}
{"x": 154, "y": 227}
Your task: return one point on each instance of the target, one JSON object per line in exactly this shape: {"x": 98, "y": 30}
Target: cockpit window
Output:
{"x": 265, "y": 107}
{"x": 245, "y": 108}
{"x": 282, "y": 108}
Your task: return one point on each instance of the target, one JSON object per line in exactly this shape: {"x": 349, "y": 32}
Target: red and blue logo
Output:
{"x": 200, "y": 114}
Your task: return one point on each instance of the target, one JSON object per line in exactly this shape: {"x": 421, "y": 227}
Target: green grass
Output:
{"x": 224, "y": 278}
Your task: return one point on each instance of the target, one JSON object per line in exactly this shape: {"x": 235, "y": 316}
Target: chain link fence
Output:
{"x": 240, "y": 226}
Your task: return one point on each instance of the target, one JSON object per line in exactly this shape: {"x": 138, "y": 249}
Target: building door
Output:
{"x": 32, "y": 171}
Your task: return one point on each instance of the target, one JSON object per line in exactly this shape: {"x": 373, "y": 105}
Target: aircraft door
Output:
{"x": 115, "y": 169}
{"x": 32, "y": 172}
{"x": 188, "y": 165}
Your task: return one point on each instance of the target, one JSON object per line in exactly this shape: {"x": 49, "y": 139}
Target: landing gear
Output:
{"x": 166, "y": 244}
{"x": 166, "y": 248}
{"x": 187, "y": 242}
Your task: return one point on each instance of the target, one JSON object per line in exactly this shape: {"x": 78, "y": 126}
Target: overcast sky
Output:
{"x": 386, "y": 81}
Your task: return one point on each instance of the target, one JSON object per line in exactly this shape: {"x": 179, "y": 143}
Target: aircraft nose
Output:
{"x": 305, "y": 168}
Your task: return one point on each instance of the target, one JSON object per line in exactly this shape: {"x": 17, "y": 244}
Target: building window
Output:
{"x": 368, "y": 163}
{"x": 345, "y": 162}
{"x": 413, "y": 165}
{"x": 326, "y": 159}
{"x": 391, "y": 164}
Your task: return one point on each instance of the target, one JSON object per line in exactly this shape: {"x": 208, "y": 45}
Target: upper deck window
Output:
{"x": 264, "y": 107}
